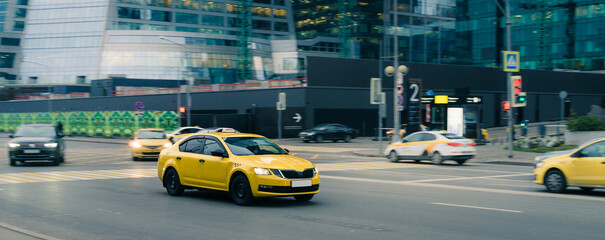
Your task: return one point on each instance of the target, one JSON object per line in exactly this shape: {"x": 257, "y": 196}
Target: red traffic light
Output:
{"x": 182, "y": 110}
{"x": 505, "y": 105}
{"x": 517, "y": 82}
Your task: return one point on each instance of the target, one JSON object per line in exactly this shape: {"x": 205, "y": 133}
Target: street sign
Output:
{"x": 511, "y": 61}
{"x": 139, "y": 106}
{"x": 297, "y": 117}
{"x": 376, "y": 94}
{"x": 399, "y": 78}
{"x": 399, "y": 100}
{"x": 400, "y": 88}
{"x": 281, "y": 104}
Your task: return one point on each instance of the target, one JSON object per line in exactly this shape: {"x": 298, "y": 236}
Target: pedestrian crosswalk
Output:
{"x": 55, "y": 176}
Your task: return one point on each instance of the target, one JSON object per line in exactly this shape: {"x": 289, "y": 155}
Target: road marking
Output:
{"x": 65, "y": 175}
{"x": 44, "y": 175}
{"x": 26, "y": 232}
{"x": 476, "y": 207}
{"x": 77, "y": 174}
{"x": 314, "y": 156}
{"x": 467, "y": 178}
{"x": 6, "y": 180}
{"x": 20, "y": 179}
{"x": 463, "y": 188}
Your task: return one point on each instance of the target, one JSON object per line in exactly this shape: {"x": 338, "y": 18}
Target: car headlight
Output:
{"x": 540, "y": 164}
{"x": 316, "y": 171}
{"x": 167, "y": 145}
{"x": 13, "y": 145}
{"x": 262, "y": 171}
{"x": 51, "y": 145}
{"x": 136, "y": 145}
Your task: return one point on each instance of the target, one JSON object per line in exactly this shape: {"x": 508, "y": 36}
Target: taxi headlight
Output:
{"x": 262, "y": 171}
{"x": 51, "y": 145}
{"x": 13, "y": 145}
{"x": 316, "y": 171}
{"x": 136, "y": 145}
{"x": 540, "y": 164}
{"x": 167, "y": 145}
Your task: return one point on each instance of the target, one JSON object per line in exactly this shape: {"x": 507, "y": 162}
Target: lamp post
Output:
{"x": 50, "y": 104}
{"x": 398, "y": 90}
{"x": 181, "y": 62}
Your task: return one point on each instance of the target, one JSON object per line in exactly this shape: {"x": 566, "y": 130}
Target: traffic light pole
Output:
{"x": 508, "y": 81}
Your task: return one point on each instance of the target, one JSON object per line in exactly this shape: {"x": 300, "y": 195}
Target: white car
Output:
{"x": 432, "y": 145}
{"x": 184, "y": 130}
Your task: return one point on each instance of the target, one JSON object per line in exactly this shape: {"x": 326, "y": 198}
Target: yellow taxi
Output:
{"x": 148, "y": 142}
{"x": 582, "y": 167}
{"x": 247, "y": 166}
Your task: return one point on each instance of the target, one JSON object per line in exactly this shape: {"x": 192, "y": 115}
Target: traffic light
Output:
{"x": 518, "y": 97}
{"x": 182, "y": 109}
{"x": 506, "y": 106}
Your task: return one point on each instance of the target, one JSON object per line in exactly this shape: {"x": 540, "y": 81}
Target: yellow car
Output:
{"x": 582, "y": 167}
{"x": 247, "y": 166}
{"x": 148, "y": 142}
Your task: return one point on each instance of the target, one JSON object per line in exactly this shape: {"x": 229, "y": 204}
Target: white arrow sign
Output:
{"x": 297, "y": 117}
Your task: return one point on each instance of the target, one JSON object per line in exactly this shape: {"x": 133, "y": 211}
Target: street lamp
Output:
{"x": 402, "y": 70}
{"x": 181, "y": 62}
{"x": 50, "y": 104}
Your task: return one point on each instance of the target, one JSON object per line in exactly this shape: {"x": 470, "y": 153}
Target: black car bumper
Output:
{"x": 34, "y": 154}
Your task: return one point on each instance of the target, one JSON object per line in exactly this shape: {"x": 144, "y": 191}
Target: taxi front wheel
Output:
{"x": 240, "y": 191}
{"x": 172, "y": 183}
{"x": 554, "y": 181}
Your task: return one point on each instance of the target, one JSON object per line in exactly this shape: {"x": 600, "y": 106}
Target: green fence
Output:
{"x": 107, "y": 124}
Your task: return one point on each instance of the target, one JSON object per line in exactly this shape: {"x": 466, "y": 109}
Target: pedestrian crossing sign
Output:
{"x": 511, "y": 61}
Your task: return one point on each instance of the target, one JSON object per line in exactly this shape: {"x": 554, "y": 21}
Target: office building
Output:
{"x": 12, "y": 22}
{"x": 219, "y": 41}
{"x": 550, "y": 35}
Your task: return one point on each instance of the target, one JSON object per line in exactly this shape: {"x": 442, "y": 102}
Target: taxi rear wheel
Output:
{"x": 437, "y": 158}
{"x": 554, "y": 181}
{"x": 393, "y": 156}
{"x": 304, "y": 198}
{"x": 173, "y": 183}
{"x": 240, "y": 191}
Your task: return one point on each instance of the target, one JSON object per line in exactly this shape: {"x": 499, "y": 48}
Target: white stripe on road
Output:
{"x": 475, "y": 207}
{"x": 94, "y": 174}
{"x": 6, "y": 180}
{"x": 467, "y": 178}
{"x": 66, "y": 176}
{"x": 123, "y": 173}
{"x": 463, "y": 188}
{"x": 31, "y": 177}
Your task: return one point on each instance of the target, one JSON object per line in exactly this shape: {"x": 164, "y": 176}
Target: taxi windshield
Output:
{"x": 36, "y": 131}
{"x": 242, "y": 146}
{"x": 151, "y": 135}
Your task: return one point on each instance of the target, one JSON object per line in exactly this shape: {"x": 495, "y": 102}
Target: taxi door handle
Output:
{"x": 178, "y": 158}
{"x": 202, "y": 161}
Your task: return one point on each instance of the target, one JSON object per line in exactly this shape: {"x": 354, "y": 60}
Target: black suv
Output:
{"x": 34, "y": 142}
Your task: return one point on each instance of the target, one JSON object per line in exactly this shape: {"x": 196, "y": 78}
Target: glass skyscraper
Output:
{"x": 75, "y": 41}
{"x": 427, "y": 28}
{"x": 549, "y": 34}
{"x": 12, "y": 21}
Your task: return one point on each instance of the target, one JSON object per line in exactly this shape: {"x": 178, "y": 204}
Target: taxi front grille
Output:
{"x": 293, "y": 174}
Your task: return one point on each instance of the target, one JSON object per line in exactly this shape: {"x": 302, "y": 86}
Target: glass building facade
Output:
{"x": 75, "y": 41}
{"x": 554, "y": 34}
{"x": 12, "y": 19}
{"x": 427, "y": 28}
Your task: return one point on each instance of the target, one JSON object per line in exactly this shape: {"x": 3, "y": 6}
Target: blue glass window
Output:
{"x": 186, "y": 18}
{"x": 213, "y": 20}
{"x": 131, "y": 13}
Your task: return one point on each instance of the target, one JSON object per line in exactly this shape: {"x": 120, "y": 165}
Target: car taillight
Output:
{"x": 473, "y": 144}
{"x": 454, "y": 144}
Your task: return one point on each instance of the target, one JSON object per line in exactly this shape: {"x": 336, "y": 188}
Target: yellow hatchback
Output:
{"x": 148, "y": 142}
{"x": 582, "y": 167}
{"x": 247, "y": 166}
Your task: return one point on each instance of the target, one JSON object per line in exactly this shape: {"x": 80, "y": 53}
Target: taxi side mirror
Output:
{"x": 578, "y": 154}
{"x": 11, "y": 136}
{"x": 219, "y": 153}
{"x": 287, "y": 151}
{"x": 171, "y": 139}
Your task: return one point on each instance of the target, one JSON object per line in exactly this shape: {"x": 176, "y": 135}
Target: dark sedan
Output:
{"x": 35, "y": 142}
{"x": 328, "y": 131}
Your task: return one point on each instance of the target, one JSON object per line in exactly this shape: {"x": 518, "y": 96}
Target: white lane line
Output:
{"x": 123, "y": 173}
{"x": 26, "y": 232}
{"x": 66, "y": 176}
{"x": 94, "y": 174}
{"x": 476, "y": 207}
{"x": 6, "y": 180}
{"x": 468, "y": 178}
{"x": 32, "y": 177}
{"x": 463, "y": 188}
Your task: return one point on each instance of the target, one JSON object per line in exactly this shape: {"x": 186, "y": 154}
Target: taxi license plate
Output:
{"x": 31, "y": 151}
{"x": 301, "y": 183}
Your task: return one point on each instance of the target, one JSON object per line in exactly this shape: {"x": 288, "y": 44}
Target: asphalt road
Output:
{"x": 99, "y": 193}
